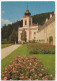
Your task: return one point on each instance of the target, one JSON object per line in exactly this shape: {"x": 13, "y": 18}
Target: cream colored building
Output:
{"x": 36, "y": 32}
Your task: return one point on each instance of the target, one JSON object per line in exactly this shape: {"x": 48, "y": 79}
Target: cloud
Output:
{"x": 3, "y": 21}
{"x": 2, "y": 11}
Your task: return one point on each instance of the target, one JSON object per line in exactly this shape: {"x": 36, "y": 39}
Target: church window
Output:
{"x": 29, "y": 22}
{"x": 34, "y": 38}
{"x": 20, "y": 33}
{"x": 34, "y": 32}
{"x": 25, "y": 22}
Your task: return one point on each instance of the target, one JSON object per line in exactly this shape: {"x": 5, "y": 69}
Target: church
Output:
{"x": 36, "y": 32}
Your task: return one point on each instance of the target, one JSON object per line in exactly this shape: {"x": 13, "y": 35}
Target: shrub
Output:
{"x": 26, "y": 68}
{"x": 41, "y": 49}
{"x": 37, "y": 51}
{"x": 50, "y": 39}
{"x": 4, "y": 41}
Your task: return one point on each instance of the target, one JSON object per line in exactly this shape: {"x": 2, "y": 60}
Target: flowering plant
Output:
{"x": 26, "y": 68}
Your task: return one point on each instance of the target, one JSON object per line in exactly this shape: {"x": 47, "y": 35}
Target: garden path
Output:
{"x": 6, "y": 51}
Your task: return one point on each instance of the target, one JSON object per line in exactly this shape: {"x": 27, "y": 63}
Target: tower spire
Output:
{"x": 27, "y": 5}
{"x": 27, "y": 13}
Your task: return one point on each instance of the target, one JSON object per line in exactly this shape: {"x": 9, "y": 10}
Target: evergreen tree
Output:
{"x": 50, "y": 39}
{"x": 13, "y": 36}
{"x": 23, "y": 35}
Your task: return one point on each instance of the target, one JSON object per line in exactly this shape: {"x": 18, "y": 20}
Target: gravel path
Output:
{"x": 6, "y": 51}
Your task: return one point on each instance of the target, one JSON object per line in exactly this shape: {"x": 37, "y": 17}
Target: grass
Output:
{"x": 5, "y": 45}
{"x": 48, "y": 60}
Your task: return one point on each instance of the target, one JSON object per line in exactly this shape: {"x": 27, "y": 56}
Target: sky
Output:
{"x": 13, "y": 11}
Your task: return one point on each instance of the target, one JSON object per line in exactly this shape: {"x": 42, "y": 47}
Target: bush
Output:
{"x": 50, "y": 39}
{"x": 4, "y": 41}
{"x": 26, "y": 68}
{"x": 37, "y": 51}
{"x": 41, "y": 49}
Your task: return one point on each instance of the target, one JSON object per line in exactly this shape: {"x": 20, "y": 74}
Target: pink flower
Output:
{"x": 3, "y": 68}
{"x": 22, "y": 77}
{"x": 35, "y": 75}
{"x": 22, "y": 74}
{"x": 43, "y": 78}
{"x": 53, "y": 78}
{"x": 42, "y": 69}
{"x": 46, "y": 79}
{"x": 46, "y": 76}
{"x": 31, "y": 77}
{"x": 28, "y": 67}
{"x": 40, "y": 75}
{"x": 33, "y": 70}
{"x": 50, "y": 75}
{"x": 36, "y": 79}
{"x": 26, "y": 77}
{"x": 6, "y": 68}
{"x": 10, "y": 79}
{"x": 2, "y": 74}
{"x": 5, "y": 71}
{"x": 30, "y": 64}
{"x": 5, "y": 78}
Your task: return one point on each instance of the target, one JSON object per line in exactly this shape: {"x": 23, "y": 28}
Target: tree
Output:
{"x": 13, "y": 36}
{"x": 23, "y": 35}
{"x": 50, "y": 39}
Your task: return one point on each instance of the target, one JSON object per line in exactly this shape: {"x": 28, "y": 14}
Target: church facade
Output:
{"x": 36, "y": 32}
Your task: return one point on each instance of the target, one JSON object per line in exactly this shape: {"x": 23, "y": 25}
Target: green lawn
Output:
{"x": 47, "y": 59}
{"x": 5, "y": 45}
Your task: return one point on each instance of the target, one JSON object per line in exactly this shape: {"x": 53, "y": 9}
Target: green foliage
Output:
{"x": 5, "y": 45}
{"x": 38, "y": 51}
{"x": 13, "y": 36}
{"x": 40, "y": 18}
{"x": 6, "y": 30}
{"x": 23, "y": 35}
{"x": 34, "y": 51}
{"x": 4, "y": 41}
{"x": 50, "y": 39}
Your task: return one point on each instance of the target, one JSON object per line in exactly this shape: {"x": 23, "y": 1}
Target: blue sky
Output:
{"x": 13, "y": 11}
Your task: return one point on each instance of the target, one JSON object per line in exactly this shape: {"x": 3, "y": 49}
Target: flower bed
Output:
{"x": 26, "y": 68}
{"x": 41, "y": 49}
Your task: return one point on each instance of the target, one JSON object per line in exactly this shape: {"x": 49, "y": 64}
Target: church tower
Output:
{"x": 31, "y": 31}
{"x": 27, "y": 19}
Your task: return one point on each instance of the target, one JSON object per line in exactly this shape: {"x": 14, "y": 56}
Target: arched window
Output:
{"x": 25, "y": 22}
{"x": 34, "y": 38}
{"x": 29, "y": 22}
{"x": 34, "y": 33}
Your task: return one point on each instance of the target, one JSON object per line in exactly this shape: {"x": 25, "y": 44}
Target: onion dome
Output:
{"x": 27, "y": 13}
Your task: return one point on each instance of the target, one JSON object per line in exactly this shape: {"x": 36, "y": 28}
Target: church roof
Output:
{"x": 27, "y": 13}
